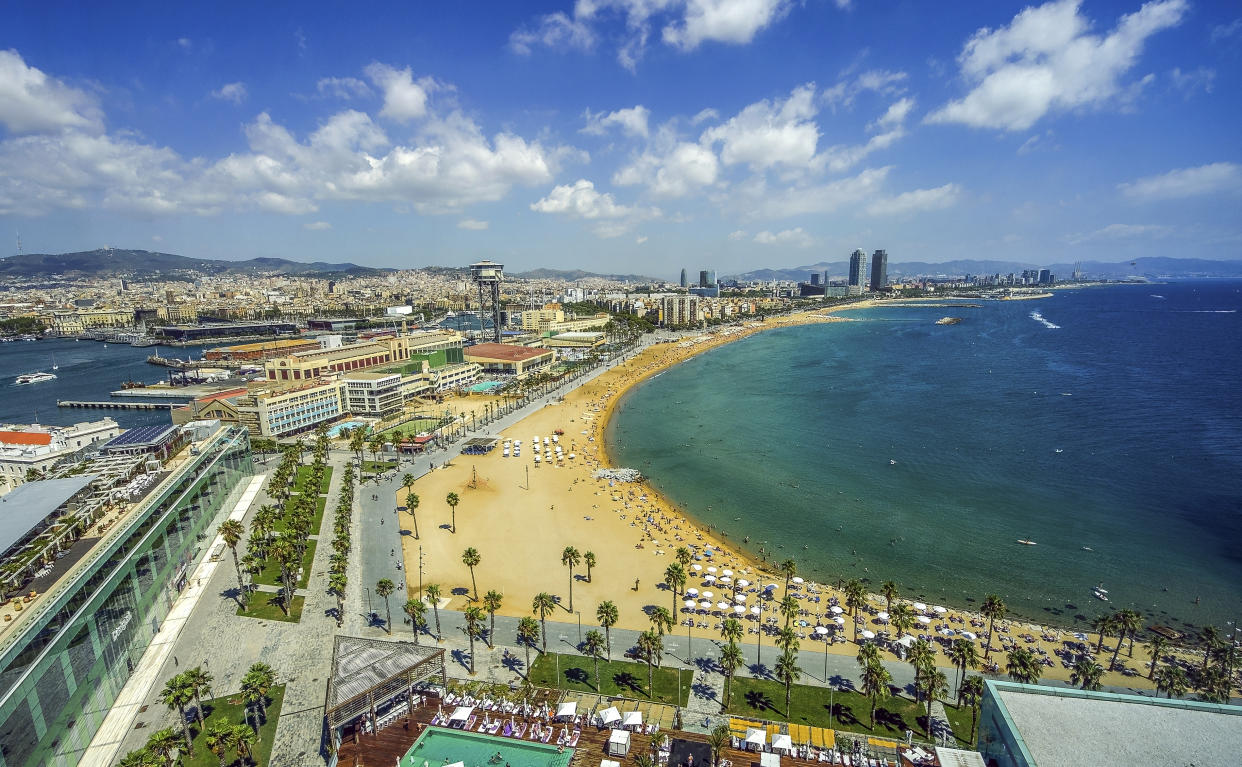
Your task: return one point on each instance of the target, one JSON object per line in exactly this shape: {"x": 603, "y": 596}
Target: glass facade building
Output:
{"x": 64, "y": 667}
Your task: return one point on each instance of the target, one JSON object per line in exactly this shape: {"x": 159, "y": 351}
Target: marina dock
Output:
{"x": 118, "y": 405}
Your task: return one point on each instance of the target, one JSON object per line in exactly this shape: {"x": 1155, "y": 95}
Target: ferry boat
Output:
{"x": 34, "y": 378}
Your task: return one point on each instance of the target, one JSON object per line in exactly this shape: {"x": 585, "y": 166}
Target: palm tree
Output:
{"x": 661, "y": 621}
{"x": 1131, "y": 622}
{"x": 452, "y": 500}
{"x": 875, "y": 682}
{"x": 1087, "y": 674}
{"x": 718, "y": 738}
{"x": 607, "y": 615}
{"x": 177, "y": 694}
{"x": 589, "y": 560}
{"x": 199, "y": 682}
{"x": 789, "y": 569}
{"x": 218, "y": 740}
{"x": 935, "y": 686}
{"x": 593, "y": 645}
{"x": 1156, "y": 648}
{"x": 650, "y": 649}
{"x": 787, "y": 671}
{"x": 491, "y": 602}
{"x": 675, "y": 579}
{"x": 730, "y": 661}
{"x": 164, "y": 743}
{"x": 470, "y": 558}
{"x": 901, "y": 618}
{"x": 867, "y": 654}
{"x": 261, "y": 677}
{"x": 570, "y": 558}
{"x": 993, "y": 608}
{"x": 972, "y": 695}
{"x": 474, "y": 619}
{"x": 1210, "y": 636}
{"x": 142, "y": 757}
{"x": 543, "y": 605}
{"x": 1171, "y": 680}
{"x": 337, "y": 583}
{"x": 1104, "y": 626}
{"x": 418, "y": 615}
{"x": 1023, "y": 666}
{"x": 923, "y": 657}
{"x": 789, "y": 608}
{"x": 242, "y": 739}
{"x": 527, "y": 635}
{"x": 407, "y": 480}
{"x": 384, "y": 588}
{"x": 232, "y": 531}
{"x": 411, "y": 505}
{"x": 731, "y": 630}
{"x": 433, "y": 596}
{"x": 889, "y": 590}
{"x": 683, "y": 556}
{"x": 358, "y": 441}
{"x": 964, "y": 655}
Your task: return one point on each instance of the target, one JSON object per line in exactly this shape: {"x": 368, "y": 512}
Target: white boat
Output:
{"x": 34, "y": 378}
{"x": 1026, "y": 543}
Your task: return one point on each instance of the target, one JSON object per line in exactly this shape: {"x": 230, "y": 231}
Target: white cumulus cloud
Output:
{"x": 344, "y": 88}
{"x": 554, "y": 30}
{"x": 317, "y": 226}
{"x": 234, "y": 92}
{"x": 726, "y": 21}
{"x": 792, "y": 237}
{"x": 917, "y": 200}
{"x": 32, "y": 102}
{"x": 1046, "y": 61}
{"x": 404, "y": 99}
{"x": 766, "y": 134}
{"x": 581, "y": 200}
{"x": 632, "y": 121}
{"x": 1216, "y": 178}
{"x": 472, "y": 224}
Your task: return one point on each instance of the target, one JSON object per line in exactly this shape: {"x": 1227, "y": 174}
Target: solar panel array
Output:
{"x": 143, "y": 435}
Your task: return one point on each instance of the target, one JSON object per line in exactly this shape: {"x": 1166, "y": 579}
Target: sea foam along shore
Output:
{"x": 520, "y": 517}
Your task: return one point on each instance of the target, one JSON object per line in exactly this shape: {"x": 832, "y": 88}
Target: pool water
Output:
{"x": 336, "y": 430}
{"x": 437, "y": 747}
{"x": 486, "y": 386}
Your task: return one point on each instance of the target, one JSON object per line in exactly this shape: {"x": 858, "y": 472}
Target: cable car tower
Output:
{"x": 487, "y": 277}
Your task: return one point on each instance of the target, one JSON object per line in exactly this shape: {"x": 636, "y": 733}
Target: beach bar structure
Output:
{"x": 371, "y": 678}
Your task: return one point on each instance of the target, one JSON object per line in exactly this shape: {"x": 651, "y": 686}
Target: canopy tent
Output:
{"x": 756, "y": 738}
{"x": 609, "y": 715}
{"x": 632, "y": 719}
{"x": 782, "y": 743}
{"x": 618, "y": 743}
{"x": 567, "y": 710}
{"x": 461, "y": 714}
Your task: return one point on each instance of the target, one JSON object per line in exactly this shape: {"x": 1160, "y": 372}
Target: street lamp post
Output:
{"x": 420, "y": 571}
{"x": 579, "y": 614}
{"x": 369, "y": 610}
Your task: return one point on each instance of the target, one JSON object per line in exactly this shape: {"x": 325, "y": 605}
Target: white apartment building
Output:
{"x": 24, "y": 447}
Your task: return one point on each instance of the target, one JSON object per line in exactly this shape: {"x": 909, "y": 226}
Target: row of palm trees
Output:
{"x": 338, "y": 563}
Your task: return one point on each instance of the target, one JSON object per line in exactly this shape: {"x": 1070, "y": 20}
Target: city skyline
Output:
{"x": 765, "y": 134}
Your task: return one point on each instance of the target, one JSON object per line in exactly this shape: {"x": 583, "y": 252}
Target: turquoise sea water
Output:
{"x": 1107, "y": 419}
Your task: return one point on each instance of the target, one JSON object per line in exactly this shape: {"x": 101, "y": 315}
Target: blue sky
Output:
{"x": 624, "y": 135}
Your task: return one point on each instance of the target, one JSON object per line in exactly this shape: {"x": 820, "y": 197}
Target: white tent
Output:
{"x": 567, "y": 710}
{"x": 461, "y": 714}
{"x": 609, "y": 715}
{"x": 608, "y": 763}
{"x": 632, "y": 719}
{"x": 782, "y": 743}
{"x": 618, "y": 743}
{"x": 755, "y": 738}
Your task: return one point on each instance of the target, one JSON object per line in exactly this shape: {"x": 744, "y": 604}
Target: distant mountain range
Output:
{"x": 118, "y": 262}
{"x": 573, "y": 275}
{"x": 1149, "y": 268}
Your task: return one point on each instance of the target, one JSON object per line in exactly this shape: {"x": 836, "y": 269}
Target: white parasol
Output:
{"x": 798, "y": 579}
{"x": 882, "y": 616}
{"x": 821, "y": 630}
{"x": 919, "y": 606}
{"x": 743, "y": 582}
{"x": 711, "y": 570}
{"x": 739, "y": 609}
{"x": 705, "y": 605}
{"x": 868, "y": 635}
{"x": 691, "y": 603}
{"x": 924, "y": 620}
{"x": 692, "y": 592}
{"x": 722, "y": 605}
{"x": 707, "y": 595}
{"x": 727, "y": 572}
{"x": 836, "y": 610}
{"x": 739, "y": 597}
{"x": 938, "y": 610}
{"x": 755, "y": 611}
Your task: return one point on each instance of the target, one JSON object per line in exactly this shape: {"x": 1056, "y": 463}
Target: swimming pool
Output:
{"x": 336, "y": 430}
{"x": 486, "y": 386}
{"x": 437, "y": 747}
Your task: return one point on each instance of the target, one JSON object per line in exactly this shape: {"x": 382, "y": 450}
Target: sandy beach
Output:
{"x": 520, "y": 516}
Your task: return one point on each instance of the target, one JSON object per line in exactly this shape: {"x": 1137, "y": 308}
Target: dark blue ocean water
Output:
{"x": 1118, "y": 430}
{"x": 88, "y": 371}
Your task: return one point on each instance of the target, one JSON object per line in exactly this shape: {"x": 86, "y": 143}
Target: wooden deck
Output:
{"x": 385, "y": 747}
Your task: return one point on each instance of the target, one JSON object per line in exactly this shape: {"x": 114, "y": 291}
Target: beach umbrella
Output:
{"x": 919, "y": 606}
{"x": 755, "y": 611}
{"x": 711, "y": 570}
{"x": 798, "y": 579}
{"x": 968, "y": 634}
{"x": 697, "y": 568}
{"x": 739, "y": 609}
{"x": 725, "y": 579}
{"x": 727, "y": 572}
{"x": 821, "y": 630}
{"x": 868, "y": 635}
{"x": 883, "y": 616}
{"x": 705, "y": 605}
{"x": 771, "y": 587}
{"x": 836, "y": 610}
{"x": 692, "y": 592}
{"x": 743, "y": 582}
{"x": 709, "y": 579}
{"x": 691, "y": 603}
{"x": 707, "y": 595}
{"x": 839, "y": 620}
{"x": 722, "y": 605}
{"x": 938, "y": 610}
{"x": 924, "y": 620}
{"x": 739, "y": 597}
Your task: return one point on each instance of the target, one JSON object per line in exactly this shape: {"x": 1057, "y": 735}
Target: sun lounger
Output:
{"x": 573, "y": 740}
{"x": 470, "y": 723}
{"x": 547, "y": 734}
{"x": 508, "y": 730}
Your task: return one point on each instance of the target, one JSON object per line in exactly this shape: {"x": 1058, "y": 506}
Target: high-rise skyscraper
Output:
{"x": 683, "y": 277}
{"x": 858, "y": 272}
{"x": 707, "y": 278}
{"x": 879, "y": 269}
{"x": 814, "y": 278}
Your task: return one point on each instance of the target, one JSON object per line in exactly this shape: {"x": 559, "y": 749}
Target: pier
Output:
{"x": 113, "y": 405}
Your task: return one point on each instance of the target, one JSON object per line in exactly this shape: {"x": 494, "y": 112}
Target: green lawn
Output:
{"x": 266, "y": 606}
{"x": 320, "y": 504}
{"x": 765, "y": 699}
{"x": 231, "y": 710}
{"x": 302, "y": 479}
{"x": 376, "y": 467}
{"x": 616, "y": 677}
{"x": 270, "y": 575}
{"x": 411, "y": 428}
